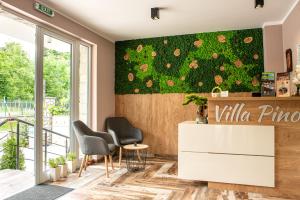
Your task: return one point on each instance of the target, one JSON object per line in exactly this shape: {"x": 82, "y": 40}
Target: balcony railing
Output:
{"x": 47, "y": 140}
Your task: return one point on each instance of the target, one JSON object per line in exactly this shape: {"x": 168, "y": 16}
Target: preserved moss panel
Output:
{"x": 232, "y": 60}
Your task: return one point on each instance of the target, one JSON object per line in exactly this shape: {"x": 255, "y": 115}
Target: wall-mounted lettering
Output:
{"x": 239, "y": 113}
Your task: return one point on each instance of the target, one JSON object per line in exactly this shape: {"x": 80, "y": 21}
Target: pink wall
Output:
{"x": 103, "y": 61}
{"x": 279, "y": 38}
{"x": 273, "y": 49}
{"x": 291, "y": 33}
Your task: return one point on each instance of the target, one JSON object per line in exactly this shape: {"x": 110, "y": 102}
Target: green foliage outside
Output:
{"x": 11, "y": 127}
{"x": 8, "y": 159}
{"x": 58, "y": 110}
{"x": 17, "y": 74}
{"x": 57, "y": 74}
{"x": 232, "y": 60}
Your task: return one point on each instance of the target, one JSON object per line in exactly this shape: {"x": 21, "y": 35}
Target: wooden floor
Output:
{"x": 158, "y": 181}
{"x": 14, "y": 181}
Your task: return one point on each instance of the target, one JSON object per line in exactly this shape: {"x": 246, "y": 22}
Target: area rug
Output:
{"x": 44, "y": 192}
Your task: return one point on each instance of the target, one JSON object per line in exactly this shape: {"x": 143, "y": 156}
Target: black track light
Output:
{"x": 259, "y": 3}
{"x": 155, "y": 13}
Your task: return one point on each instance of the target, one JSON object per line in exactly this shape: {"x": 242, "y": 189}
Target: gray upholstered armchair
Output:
{"x": 123, "y": 133}
{"x": 93, "y": 143}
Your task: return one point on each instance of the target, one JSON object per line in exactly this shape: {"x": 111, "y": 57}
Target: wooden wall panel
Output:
{"x": 287, "y": 145}
{"x": 158, "y": 116}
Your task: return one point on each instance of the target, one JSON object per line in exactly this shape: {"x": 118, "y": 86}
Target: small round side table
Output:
{"x": 136, "y": 156}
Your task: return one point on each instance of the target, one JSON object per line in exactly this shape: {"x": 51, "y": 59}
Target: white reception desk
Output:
{"x": 238, "y": 154}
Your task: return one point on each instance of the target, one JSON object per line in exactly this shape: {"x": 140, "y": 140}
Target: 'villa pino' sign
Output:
{"x": 238, "y": 113}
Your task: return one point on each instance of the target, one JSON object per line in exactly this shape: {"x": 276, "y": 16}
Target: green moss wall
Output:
{"x": 232, "y": 60}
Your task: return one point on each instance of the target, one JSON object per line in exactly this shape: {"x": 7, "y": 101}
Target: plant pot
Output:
{"x": 63, "y": 170}
{"x": 54, "y": 174}
{"x": 72, "y": 166}
{"x": 201, "y": 119}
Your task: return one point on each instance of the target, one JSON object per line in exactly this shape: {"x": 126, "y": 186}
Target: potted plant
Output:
{"x": 71, "y": 157}
{"x": 201, "y": 102}
{"x": 54, "y": 170}
{"x": 61, "y": 161}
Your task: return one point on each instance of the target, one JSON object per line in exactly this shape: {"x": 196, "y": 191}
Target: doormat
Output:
{"x": 41, "y": 192}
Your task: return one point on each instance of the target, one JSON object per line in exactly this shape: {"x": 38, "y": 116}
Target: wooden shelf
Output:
{"x": 254, "y": 99}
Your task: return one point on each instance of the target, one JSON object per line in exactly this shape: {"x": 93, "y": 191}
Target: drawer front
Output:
{"x": 236, "y": 169}
{"x": 230, "y": 139}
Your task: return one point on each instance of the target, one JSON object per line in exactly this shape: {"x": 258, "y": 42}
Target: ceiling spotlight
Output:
{"x": 259, "y": 3}
{"x": 155, "y": 13}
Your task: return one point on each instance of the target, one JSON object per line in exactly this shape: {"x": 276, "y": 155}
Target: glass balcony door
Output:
{"x": 62, "y": 95}
{"x": 44, "y": 85}
{"x": 55, "y": 102}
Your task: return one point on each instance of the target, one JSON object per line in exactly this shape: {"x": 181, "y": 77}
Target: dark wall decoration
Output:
{"x": 232, "y": 60}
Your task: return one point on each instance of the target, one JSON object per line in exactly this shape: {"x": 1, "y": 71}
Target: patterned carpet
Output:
{"x": 159, "y": 182}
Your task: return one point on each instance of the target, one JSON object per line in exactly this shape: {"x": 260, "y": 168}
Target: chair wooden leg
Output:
{"x": 111, "y": 162}
{"x": 106, "y": 166}
{"x": 86, "y": 162}
{"x": 120, "y": 156}
{"x": 82, "y": 165}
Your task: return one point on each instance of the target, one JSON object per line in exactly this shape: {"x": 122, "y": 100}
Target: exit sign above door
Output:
{"x": 44, "y": 9}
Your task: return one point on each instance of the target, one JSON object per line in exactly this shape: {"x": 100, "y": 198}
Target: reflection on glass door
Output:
{"x": 84, "y": 66}
{"x": 83, "y": 82}
{"x": 57, "y": 65}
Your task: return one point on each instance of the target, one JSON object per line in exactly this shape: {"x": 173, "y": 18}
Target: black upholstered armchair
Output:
{"x": 93, "y": 143}
{"x": 123, "y": 133}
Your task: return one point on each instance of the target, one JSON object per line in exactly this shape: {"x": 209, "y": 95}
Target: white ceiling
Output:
{"x": 130, "y": 19}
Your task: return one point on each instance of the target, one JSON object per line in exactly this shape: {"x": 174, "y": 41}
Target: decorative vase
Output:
{"x": 201, "y": 119}
{"x": 54, "y": 174}
{"x": 63, "y": 170}
{"x": 71, "y": 165}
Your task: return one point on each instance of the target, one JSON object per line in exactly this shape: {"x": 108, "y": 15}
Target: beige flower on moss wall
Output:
{"x": 221, "y": 38}
{"x": 126, "y": 56}
{"x": 136, "y": 90}
{"x": 256, "y": 56}
{"x": 198, "y": 43}
{"x": 144, "y": 67}
{"x": 149, "y": 83}
{"x": 153, "y": 54}
{"x": 218, "y": 79}
{"x": 177, "y": 52}
{"x": 165, "y": 41}
{"x": 255, "y": 82}
{"x": 139, "y": 48}
{"x": 130, "y": 77}
{"x": 248, "y": 40}
{"x": 168, "y": 65}
{"x": 238, "y": 82}
{"x": 215, "y": 55}
{"x": 200, "y": 84}
{"x": 182, "y": 78}
{"x": 238, "y": 63}
{"x": 170, "y": 83}
{"x": 194, "y": 64}
{"x": 222, "y": 68}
